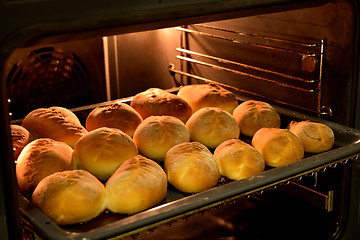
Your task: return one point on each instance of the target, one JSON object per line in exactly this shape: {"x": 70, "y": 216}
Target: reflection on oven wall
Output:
{"x": 138, "y": 61}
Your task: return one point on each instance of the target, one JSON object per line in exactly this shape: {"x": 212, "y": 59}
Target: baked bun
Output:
{"x": 138, "y": 184}
{"x": 41, "y": 158}
{"x": 20, "y": 138}
{"x": 191, "y": 167}
{"x": 115, "y": 115}
{"x": 57, "y": 123}
{"x": 211, "y": 126}
{"x": 157, "y": 134}
{"x": 208, "y": 95}
{"x": 103, "y": 150}
{"x": 238, "y": 160}
{"x": 157, "y": 102}
{"x": 70, "y": 197}
{"x": 315, "y": 137}
{"x": 278, "y": 147}
{"x": 252, "y": 115}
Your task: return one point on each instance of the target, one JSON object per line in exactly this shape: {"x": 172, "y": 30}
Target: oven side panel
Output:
{"x": 333, "y": 24}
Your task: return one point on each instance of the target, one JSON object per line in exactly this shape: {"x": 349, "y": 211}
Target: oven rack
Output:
{"x": 207, "y": 64}
{"x": 177, "y": 207}
{"x": 288, "y": 185}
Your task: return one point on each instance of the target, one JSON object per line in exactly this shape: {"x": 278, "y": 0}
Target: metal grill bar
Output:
{"x": 222, "y": 60}
{"x": 318, "y": 44}
{"x": 244, "y": 74}
{"x": 303, "y": 79}
{"x": 237, "y": 41}
{"x": 173, "y": 71}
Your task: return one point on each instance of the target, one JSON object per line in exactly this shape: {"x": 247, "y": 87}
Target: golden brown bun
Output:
{"x": 278, "y": 147}
{"x": 138, "y": 184}
{"x": 70, "y": 197}
{"x": 191, "y": 167}
{"x": 157, "y": 134}
{"x": 116, "y": 115}
{"x": 252, "y": 115}
{"x": 211, "y": 126}
{"x": 315, "y": 137}
{"x": 237, "y": 159}
{"x": 57, "y": 123}
{"x": 208, "y": 95}
{"x": 40, "y": 158}
{"x": 20, "y": 138}
{"x": 157, "y": 102}
{"x": 102, "y": 150}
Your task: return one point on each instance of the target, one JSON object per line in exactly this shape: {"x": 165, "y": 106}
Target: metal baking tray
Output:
{"x": 178, "y": 204}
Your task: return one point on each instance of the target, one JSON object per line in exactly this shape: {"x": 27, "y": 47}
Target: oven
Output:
{"x": 300, "y": 56}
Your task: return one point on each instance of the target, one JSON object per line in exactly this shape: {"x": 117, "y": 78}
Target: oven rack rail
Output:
{"x": 289, "y": 185}
{"x": 173, "y": 71}
{"x": 308, "y": 80}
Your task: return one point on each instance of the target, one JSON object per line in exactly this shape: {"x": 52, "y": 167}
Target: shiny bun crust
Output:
{"x": 208, "y": 95}
{"x": 70, "y": 197}
{"x": 211, "y": 126}
{"x": 278, "y": 147}
{"x": 157, "y": 134}
{"x": 238, "y": 160}
{"x": 157, "y": 102}
{"x": 57, "y": 123}
{"x": 41, "y": 158}
{"x": 116, "y": 115}
{"x": 138, "y": 184}
{"x": 102, "y": 150}
{"x": 252, "y": 115}
{"x": 315, "y": 137}
{"x": 191, "y": 167}
{"x": 20, "y": 138}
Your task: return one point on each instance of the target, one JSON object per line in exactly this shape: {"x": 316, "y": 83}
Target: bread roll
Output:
{"x": 103, "y": 150}
{"x": 39, "y": 159}
{"x": 157, "y": 134}
{"x": 57, "y": 123}
{"x": 138, "y": 184}
{"x": 315, "y": 137}
{"x": 20, "y": 138}
{"x": 191, "y": 167}
{"x": 238, "y": 160}
{"x": 252, "y": 115}
{"x": 278, "y": 147}
{"x": 208, "y": 95}
{"x": 211, "y": 126}
{"x": 116, "y": 115}
{"x": 157, "y": 102}
{"x": 70, "y": 197}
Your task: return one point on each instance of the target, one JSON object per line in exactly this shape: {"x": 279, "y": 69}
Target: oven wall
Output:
{"x": 143, "y": 58}
{"x": 140, "y": 61}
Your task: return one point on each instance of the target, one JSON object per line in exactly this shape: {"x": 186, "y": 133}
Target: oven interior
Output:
{"x": 302, "y": 60}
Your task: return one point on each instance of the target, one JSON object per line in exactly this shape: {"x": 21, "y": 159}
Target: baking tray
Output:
{"x": 177, "y": 204}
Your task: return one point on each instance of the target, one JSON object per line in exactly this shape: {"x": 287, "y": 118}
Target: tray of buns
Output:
{"x": 119, "y": 167}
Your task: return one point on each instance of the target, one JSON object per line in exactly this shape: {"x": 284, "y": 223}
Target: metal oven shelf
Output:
{"x": 177, "y": 204}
